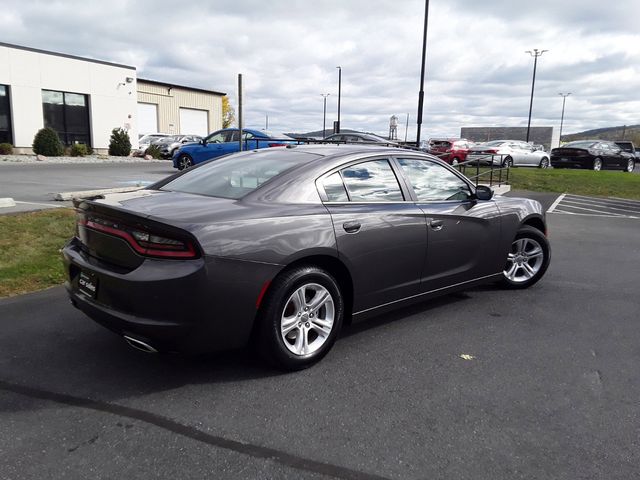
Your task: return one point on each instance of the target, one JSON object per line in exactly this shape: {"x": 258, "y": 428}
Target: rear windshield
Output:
{"x": 580, "y": 144}
{"x": 237, "y": 175}
{"x": 440, "y": 143}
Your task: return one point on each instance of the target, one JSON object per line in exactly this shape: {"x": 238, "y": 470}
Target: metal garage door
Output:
{"x": 147, "y": 118}
{"x": 193, "y": 122}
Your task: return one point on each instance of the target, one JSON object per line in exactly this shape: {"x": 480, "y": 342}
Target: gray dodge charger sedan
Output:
{"x": 281, "y": 246}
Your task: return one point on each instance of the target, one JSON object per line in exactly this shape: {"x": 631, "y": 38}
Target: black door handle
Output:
{"x": 436, "y": 224}
{"x": 351, "y": 227}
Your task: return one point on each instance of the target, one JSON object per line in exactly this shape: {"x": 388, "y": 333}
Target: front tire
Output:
{"x": 508, "y": 162}
{"x": 300, "y": 318}
{"x": 527, "y": 260}
{"x": 184, "y": 161}
{"x": 631, "y": 164}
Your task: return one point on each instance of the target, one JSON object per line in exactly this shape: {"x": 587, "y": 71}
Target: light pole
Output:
{"x": 324, "y": 115}
{"x": 564, "y": 99}
{"x": 339, "y": 96}
{"x": 424, "y": 56}
{"x": 535, "y": 54}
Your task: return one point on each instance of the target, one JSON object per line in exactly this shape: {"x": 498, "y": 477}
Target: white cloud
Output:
{"x": 477, "y": 71}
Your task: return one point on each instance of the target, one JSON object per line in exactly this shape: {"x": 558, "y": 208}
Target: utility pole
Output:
{"x": 424, "y": 57}
{"x": 240, "y": 110}
{"x": 564, "y": 99}
{"x": 339, "y": 97}
{"x": 406, "y": 129}
{"x": 535, "y": 54}
{"x": 324, "y": 114}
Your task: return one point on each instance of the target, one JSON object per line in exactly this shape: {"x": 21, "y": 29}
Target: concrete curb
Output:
{"x": 65, "y": 196}
{"x": 7, "y": 202}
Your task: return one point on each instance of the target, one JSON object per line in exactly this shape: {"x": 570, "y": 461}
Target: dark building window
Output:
{"x": 67, "y": 114}
{"x": 6, "y": 135}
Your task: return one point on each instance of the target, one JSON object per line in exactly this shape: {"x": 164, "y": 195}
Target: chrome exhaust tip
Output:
{"x": 139, "y": 345}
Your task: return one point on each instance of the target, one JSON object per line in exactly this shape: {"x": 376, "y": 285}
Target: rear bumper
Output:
{"x": 571, "y": 162}
{"x": 200, "y": 305}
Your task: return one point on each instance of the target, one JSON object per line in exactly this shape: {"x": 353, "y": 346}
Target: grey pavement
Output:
{"x": 550, "y": 390}
{"x": 33, "y": 185}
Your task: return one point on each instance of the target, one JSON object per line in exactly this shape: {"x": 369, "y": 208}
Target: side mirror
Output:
{"x": 203, "y": 141}
{"x": 483, "y": 192}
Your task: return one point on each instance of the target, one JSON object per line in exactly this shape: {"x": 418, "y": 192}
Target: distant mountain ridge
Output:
{"x": 624, "y": 132}
{"x": 318, "y": 133}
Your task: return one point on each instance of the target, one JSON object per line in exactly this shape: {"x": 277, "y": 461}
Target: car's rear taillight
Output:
{"x": 145, "y": 243}
{"x": 273, "y": 144}
{"x": 493, "y": 150}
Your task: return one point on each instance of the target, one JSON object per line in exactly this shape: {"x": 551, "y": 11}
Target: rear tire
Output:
{"x": 184, "y": 161}
{"x": 544, "y": 162}
{"x": 597, "y": 164}
{"x": 508, "y": 162}
{"x": 527, "y": 260}
{"x": 300, "y": 318}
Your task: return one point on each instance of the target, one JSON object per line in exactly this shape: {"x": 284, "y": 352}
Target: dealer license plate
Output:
{"x": 88, "y": 284}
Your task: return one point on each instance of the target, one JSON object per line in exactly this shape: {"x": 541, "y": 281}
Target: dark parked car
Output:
{"x": 284, "y": 245}
{"x": 592, "y": 154}
{"x": 169, "y": 145}
{"x": 357, "y": 138}
{"x": 224, "y": 142}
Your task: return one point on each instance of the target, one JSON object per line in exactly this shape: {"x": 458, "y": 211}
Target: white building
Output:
{"x": 85, "y": 99}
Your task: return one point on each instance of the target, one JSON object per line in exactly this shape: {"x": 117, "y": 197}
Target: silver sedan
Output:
{"x": 509, "y": 153}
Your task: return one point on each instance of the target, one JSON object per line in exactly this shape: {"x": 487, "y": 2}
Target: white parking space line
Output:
{"x": 555, "y": 204}
{"x": 596, "y": 207}
{"x": 571, "y": 202}
{"x": 589, "y": 214}
{"x": 605, "y": 201}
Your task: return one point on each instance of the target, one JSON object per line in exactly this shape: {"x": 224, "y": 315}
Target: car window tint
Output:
{"x": 433, "y": 182}
{"x": 217, "y": 138}
{"x": 372, "y": 181}
{"x": 233, "y": 137}
{"x": 235, "y": 176}
{"x": 334, "y": 188}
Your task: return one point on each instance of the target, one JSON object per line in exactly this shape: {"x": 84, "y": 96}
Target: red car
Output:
{"x": 451, "y": 150}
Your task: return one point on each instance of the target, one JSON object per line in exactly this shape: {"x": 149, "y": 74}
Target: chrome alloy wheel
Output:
{"x": 307, "y": 319}
{"x": 631, "y": 165}
{"x": 597, "y": 164}
{"x": 524, "y": 261}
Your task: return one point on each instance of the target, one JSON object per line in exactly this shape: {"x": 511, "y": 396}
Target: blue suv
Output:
{"x": 224, "y": 142}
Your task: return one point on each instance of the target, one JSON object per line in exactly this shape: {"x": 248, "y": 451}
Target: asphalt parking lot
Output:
{"x": 485, "y": 384}
{"x": 33, "y": 185}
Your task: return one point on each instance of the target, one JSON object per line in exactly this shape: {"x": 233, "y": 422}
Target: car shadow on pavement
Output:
{"x": 60, "y": 350}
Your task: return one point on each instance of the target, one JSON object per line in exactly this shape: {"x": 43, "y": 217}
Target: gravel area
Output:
{"x": 87, "y": 159}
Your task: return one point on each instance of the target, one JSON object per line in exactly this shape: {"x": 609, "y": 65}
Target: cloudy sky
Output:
{"x": 478, "y": 73}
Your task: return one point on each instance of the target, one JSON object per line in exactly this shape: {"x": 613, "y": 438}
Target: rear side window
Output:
{"x": 334, "y": 188}
{"x": 372, "y": 181}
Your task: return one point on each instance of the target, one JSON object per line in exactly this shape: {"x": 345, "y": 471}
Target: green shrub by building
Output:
{"x": 46, "y": 142}
{"x": 119, "y": 144}
{"x": 6, "y": 149}
{"x": 78, "y": 150}
{"x": 154, "y": 151}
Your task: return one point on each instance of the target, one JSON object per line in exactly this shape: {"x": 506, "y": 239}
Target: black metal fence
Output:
{"x": 490, "y": 169}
